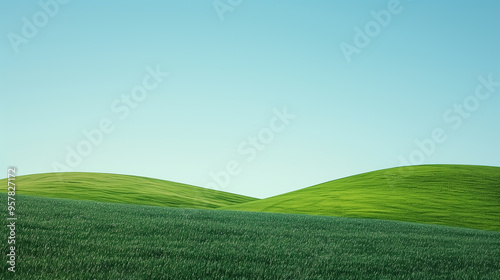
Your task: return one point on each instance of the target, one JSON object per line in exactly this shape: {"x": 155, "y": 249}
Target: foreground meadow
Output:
{"x": 70, "y": 239}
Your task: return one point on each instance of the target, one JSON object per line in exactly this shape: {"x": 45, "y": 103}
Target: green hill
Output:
{"x": 455, "y": 195}
{"x": 72, "y": 239}
{"x": 122, "y": 189}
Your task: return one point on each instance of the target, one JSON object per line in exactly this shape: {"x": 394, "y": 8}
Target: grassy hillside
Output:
{"x": 123, "y": 189}
{"x": 71, "y": 239}
{"x": 456, "y": 195}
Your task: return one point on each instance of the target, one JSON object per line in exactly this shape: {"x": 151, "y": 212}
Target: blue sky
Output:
{"x": 231, "y": 72}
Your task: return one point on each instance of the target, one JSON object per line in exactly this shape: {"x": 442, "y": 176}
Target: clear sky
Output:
{"x": 262, "y": 97}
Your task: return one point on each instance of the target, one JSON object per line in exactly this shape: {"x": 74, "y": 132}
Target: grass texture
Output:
{"x": 71, "y": 239}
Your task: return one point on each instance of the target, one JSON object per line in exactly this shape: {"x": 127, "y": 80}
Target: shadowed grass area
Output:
{"x": 455, "y": 195}
{"x": 122, "y": 189}
{"x": 71, "y": 239}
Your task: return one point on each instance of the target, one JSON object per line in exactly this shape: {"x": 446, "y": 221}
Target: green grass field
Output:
{"x": 71, "y": 239}
{"x": 455, "y": 195}
{"x": 122, "y": 189}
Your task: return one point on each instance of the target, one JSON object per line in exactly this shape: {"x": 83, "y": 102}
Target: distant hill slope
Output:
{"x": 122, "y": 189}
{"x": 455, "y": 195}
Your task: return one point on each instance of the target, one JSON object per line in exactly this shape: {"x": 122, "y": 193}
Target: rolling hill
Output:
{"x": 122, "y": 189}
{"x": 454, "y": 195}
